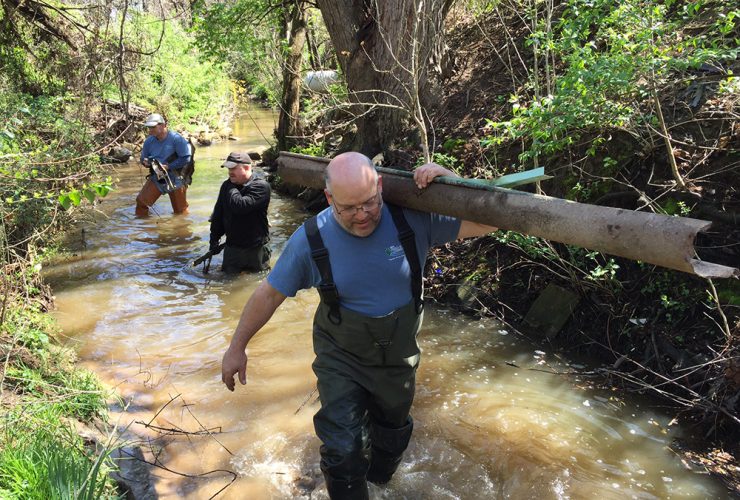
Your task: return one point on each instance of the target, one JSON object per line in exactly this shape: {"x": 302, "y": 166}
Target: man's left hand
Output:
{"x": 424, "y": 175}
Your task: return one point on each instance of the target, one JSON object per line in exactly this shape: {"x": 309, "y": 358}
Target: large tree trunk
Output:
{"x": 384, "y": 49}
{"x": 288, "y": 122}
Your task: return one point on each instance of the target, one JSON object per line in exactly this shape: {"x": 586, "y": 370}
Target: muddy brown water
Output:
{"x": 491, "y": 422}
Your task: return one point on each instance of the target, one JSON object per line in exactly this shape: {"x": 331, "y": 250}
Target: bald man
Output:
{"x": 366, "y": 259}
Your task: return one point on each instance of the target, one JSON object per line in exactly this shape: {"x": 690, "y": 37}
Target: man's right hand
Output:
{"x": 235, "y": 361}
{"x": 146, "y": 162}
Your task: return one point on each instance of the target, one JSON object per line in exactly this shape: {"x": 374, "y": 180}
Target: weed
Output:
{"x": 41, "y": 456}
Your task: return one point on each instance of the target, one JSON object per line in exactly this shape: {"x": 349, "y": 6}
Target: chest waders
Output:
{"x": 153, "y": 189}
{"x": 366, "y": 369}
{"x": 253, "y": 259}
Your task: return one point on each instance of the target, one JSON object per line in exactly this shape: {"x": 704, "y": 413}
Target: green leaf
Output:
{"x": 64, "y": 201}
{"x": 89, "y": 194}
{"x": 101, "y": 189}
{"x": 75, "y": 197}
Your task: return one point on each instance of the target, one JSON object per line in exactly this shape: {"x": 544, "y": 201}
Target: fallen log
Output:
{"x": 653, "y": 238}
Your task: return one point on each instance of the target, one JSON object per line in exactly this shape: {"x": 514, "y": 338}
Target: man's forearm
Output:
{"x": 259, "y": 309}
{"x": 470, "y": 229}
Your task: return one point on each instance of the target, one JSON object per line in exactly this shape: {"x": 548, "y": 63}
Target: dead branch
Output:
{"x": 159, "y": 465}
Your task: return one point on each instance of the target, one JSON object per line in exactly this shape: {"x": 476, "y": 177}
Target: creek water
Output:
{"x": 491, "y": 421}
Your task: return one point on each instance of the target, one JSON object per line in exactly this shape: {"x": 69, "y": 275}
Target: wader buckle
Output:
{"x": 330, "y": 296}
{"x": 406, "y": 234}
{"x": 320, "y": 254}
{"x": 382, "y": 345}
{"x": 328, "y": 293}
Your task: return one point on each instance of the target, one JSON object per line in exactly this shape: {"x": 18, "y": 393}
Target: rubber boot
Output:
{"x": 342, "y": 489}
{"x": 387, "y": 449}
{"x": 345, "y": 474}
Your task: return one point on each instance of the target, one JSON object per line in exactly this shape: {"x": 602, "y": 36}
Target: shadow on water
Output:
{"x": 493, "y": 417}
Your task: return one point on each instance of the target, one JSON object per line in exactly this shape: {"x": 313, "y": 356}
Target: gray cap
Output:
{"x": 237, "y": 158}
{"x": 153, "y": 120}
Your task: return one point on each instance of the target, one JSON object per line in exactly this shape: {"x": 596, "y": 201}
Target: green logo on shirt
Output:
{"x": 394, "y": 252}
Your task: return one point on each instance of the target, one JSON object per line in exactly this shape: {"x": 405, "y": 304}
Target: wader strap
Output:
{"x": 408, "y": 242}
{"x": 320, "y": 255}
{"x": 177, "y": 171}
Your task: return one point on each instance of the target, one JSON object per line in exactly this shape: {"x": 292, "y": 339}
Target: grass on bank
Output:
{"x": 42, "y": 393}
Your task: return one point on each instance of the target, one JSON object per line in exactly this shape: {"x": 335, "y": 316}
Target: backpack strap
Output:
{"x": 189, "y": 169}
{"x": 408, "y": 242}
{"x": 320, "y": 255}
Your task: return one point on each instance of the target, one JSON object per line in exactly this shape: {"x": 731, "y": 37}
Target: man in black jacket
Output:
{"x": 241, "y": 214}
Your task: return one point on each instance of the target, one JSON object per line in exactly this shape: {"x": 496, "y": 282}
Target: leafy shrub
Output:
{"x": 45, "y": 159}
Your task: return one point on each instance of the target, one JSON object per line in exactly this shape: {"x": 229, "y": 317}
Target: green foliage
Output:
{"x": 245, "y": 35}
{"x": 42, "y": 457}
{"x": 30, "y": 329}
{"x": 531, "y": 245}
{"x": 446, "y": 160}
{"x": 613, "y": 54}
{"x": 45, "y": 160}
{"x": 36, "y": 75}
{"x": 673, "y": 207}
{"x": 595, "y": 267}
{"x": 40, "y": 369}
{"x": 729, "y": 292}
{"x": 310, "y": 150}
{"x": 479, "y": 7}
{"x": 453, "y": 146}
{"x": 174, "y": 80}
{"x": 250, "y": 38}
{"x": 602, "y": 272}
{"x": 87, "y": 191}
{"x": 675, "y": 295}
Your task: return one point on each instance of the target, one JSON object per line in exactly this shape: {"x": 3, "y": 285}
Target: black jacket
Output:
{"x": 241, "y": 214}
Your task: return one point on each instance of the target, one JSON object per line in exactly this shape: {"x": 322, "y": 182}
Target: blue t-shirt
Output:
{"x": 372, "y": 274}
{"x": 163, "y": 150}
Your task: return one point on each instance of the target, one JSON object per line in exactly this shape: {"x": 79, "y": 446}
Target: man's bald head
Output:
{"x": 351, "y": 170}
{"x": 355, "y": 191}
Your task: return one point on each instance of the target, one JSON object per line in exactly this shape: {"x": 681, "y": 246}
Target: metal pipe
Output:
{"x": 656, "y": 239}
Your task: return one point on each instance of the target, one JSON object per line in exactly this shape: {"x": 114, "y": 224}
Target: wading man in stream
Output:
{"x": 241, "y": 214}
{"x": 366, "y": 259}
{"x": 171, "y": 152}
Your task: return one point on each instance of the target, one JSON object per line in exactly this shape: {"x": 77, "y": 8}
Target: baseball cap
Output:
{"x": 237, "y": 158}
{"x": 153, "y": 120}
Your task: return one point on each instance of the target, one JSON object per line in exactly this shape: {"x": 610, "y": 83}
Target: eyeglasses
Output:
{"x": 369, "y": 206}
